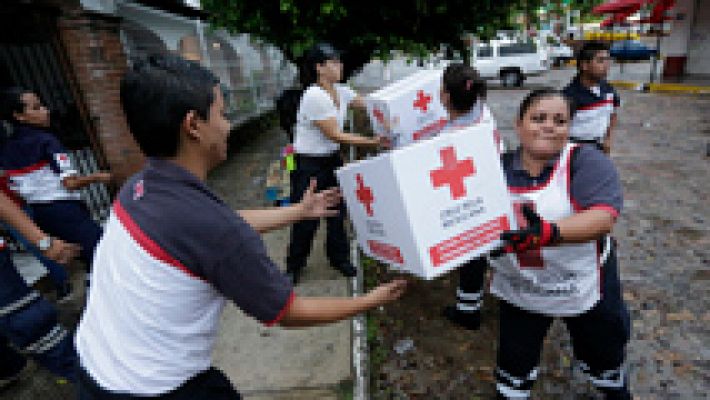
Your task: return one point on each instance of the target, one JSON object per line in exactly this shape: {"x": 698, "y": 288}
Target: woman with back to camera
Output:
{"x": 463, "y": 95}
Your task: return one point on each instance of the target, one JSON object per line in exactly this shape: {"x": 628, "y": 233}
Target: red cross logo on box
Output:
{"x": 452, "y": 173}
{"x": 379, "y": 116}
{"x": 422, "y": 101}
{"x": 365, "y": 195}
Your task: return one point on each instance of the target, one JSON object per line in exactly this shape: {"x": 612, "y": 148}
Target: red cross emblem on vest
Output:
{"x": 452, "y": 173}
{"x": 422, "y": 101}
{"x": 364, "y": 195}
{"x": 379, "y": 116}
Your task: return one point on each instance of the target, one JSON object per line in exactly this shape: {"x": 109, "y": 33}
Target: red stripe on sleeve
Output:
{"x": 27, "y": 169}
{"x": 146, "y": 242}
{"x": 283, "y": 311}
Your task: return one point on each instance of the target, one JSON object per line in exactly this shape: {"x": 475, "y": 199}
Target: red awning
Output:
{"x": 621, "y": 9}
{"x": 658, "y": 14}
{"x": 619, "y": 17}
{"x": 618, "y": 6}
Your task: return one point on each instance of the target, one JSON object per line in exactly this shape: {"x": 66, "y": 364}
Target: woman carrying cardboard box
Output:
{"x": 561, "y": 263}
{"x": 463, "y": 95}
{"x": 318, "y": 135}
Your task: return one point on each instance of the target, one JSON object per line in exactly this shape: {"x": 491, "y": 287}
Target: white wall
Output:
{"x": 699, "y": 45}
{"x": 676, "y": 44}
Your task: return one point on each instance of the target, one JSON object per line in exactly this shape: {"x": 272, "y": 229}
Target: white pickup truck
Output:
{"x": 510, "y": 61}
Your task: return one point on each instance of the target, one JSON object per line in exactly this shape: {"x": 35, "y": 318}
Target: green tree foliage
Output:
{"x": 363, "y": 28}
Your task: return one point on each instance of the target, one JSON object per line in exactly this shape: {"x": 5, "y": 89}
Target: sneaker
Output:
{"x": 17, "y": 372}
{"x": 346, "y": 268}
{"x": 65, "y": 293}
{"x": 466, "y": 320}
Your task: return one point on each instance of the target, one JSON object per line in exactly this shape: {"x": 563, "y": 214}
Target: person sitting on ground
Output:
{"x": 39, "y": 170}
{"x": 28, "y": 322}
{"x": 55, "y": 271}
{"x": 173, "y": 251}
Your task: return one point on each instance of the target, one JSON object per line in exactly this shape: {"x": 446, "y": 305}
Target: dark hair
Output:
{"x": 318, "y": 54}
{"x": 589, "y": 50}
{"x": 464, "y": 86}
{"x": 11, "y": 102}
{"x": 157, "y": 93}
{"x": 539, "y": 94}
{"x": 287, "y": 104}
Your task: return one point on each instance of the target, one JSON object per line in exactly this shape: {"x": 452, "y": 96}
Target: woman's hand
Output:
{"x": 536, "y": 233}
{"x": 316, "y": 205}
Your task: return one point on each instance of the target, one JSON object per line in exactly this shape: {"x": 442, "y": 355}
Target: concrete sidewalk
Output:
{"x": 275, "y": 363}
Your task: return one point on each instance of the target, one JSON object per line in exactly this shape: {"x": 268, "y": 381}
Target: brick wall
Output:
{"x": 95, "y": 55}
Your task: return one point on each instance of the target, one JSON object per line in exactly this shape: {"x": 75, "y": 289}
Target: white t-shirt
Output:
{"x": 317, "y": 105}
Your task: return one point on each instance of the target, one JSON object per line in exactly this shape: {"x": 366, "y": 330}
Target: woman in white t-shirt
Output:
{"x": 318, "y": 134}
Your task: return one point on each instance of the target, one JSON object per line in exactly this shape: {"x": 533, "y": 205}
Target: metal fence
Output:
{"x": 96, "y": 196}
{"x": 255, "y": 97}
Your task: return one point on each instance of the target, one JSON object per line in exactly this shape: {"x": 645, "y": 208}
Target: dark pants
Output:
{"x": 71, "y": 222}
{"x": 57, "y": 273}
{"x": 210, "y": 384}
{"x": 599, "y": 338}
{"x": 30, "y": 324}
{"x": 469, "y": 296}
{"x": 12, "y": 360}
{"x": 302, "y": 233}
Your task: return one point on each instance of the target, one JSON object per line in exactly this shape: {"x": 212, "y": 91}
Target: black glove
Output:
{"x": 538, "y": 233}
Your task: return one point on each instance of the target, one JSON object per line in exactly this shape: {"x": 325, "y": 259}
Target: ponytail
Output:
{"x": 464, "y": 86}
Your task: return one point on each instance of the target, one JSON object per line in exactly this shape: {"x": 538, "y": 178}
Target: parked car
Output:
{"x": 559, "y": 53}
{"x": 631, "y": 50}
{"x": 510, "y": 61}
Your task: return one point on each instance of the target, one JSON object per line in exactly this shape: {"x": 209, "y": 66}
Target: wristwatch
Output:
{"x": 45, "y": 243}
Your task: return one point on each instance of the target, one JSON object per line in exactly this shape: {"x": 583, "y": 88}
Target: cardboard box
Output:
{"x": 429, "y": 207}
{"x": 410, "y": 107}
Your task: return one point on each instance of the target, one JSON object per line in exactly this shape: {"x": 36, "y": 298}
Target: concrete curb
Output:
{"x": 360, "y": 355}
{"x": 661, "y": 87}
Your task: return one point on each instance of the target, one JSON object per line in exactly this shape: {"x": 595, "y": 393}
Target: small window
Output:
{"x": 485, "y": 51}
{"x": 517, "y": 48}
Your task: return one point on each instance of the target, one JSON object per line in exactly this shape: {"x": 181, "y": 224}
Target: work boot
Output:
{"x": 470, "y": 320}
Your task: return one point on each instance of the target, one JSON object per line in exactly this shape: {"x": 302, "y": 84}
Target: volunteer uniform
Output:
{"x": 29, "y": 323}
{"x": 35, "y": 164}
{"x": 161, "y": 274}
{"x": 56, "y": 272}
{"x": 318, "y": 157}
{"x": 592, "y": 111}
{"x": 469, "y": 294}
{"x": 576, "y": 282}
